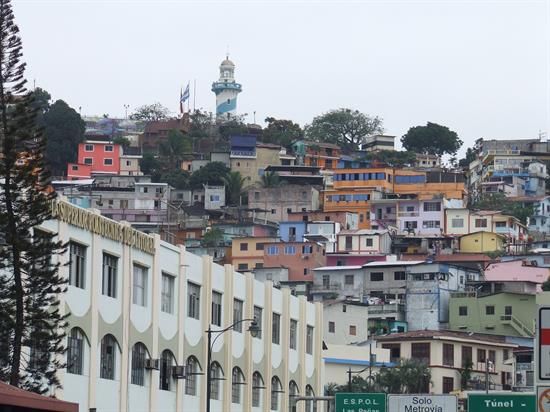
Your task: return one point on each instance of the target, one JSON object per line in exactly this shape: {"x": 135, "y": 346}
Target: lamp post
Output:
{"x": 369, "y": 367}
{"x": 253, "y": 329}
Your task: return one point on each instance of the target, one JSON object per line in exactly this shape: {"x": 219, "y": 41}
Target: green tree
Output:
{"x": 214, "y": 237}
{"x": 30, "y": 283}
{"x": 211, "y": 174}
{"x": 281, "y": 132}
{"x": 270, "y": 179}
{"x": 546, "y": 285}
{"x": 63, "y": 131}
{"x": 410, "y": 376}
{"x": 232, "y": 127}
{"x": 150, "y": 113}
{"x": 234, "y": 188}
{"x": 392, "y": 157}
{"x": 344, "y": 127}
{"x": 172, "y": 150}
{"x": 201, "y": 124}
{"x": 122, "y": 141}
{"x": 149, "y": 164}
{"x": 431, "y": 139}
{"x": 466, "y": 375}
{"x": 176, "y": 178}
{"x": 498, "y": 201}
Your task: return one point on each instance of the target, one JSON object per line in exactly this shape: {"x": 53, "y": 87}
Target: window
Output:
{"x": 411, "y": 224}
{"x": 331, "y": 327}
{"x": 352, "y": 330}
{"x": 500, "y": 224}
{"x": 481, "y": 223}
{"x": 457, "y": 222}
{"x": 508, "y": 312}
{"x": 399, "y": 276}
{"x": 309, "y": 340}
{"x": 448, "y": 354}
{"x": 237, "y": 315}
{"x": 139, "y": 354}
{"x": 369, "y": 242}
{"x": 421, "y": 352}
{"x": 432, "y": 206}
{"x": 75, "y": 352}
{"x": 167, "y": 294}
{"x": 290, "y": 250}
{"x": 272, "y": 250}
{"x": 258, "y": 319}
{"x": 292, "y": 393}
{"x": 88, "y": 161}
{"x": 344, "y": 308}
{"x": 310, "y": 405}
{"x": 276, "y": 389}
{"x": 193, "y": 300}
{"x": 140, "y": 286}
{"x": 242, "y": 266}
{"x": 107, "y": 162}
{"x": 289, "y": 210}
{"x": 192, "y": 371}
{"x": 77, "y": 265}
{"x": 216, "y": 308}
{"x": 259, "y": 246}
{"x": 377, "y": 276}
{"x": 237, "y": 381}
{"x": 166, "y": 364}
{"x": 110, "y": 264}
{"x": 492, "y": 357}
{"x": 463, "y": 311}
{"x": 448, "y": 384}
{"x": 216, "y": 374}
{"x": 349, "y": 242}
{"x": 74, "y": 167}
{"x": 256, "y": 195}
{"x": 276, "y": 329}
{"x": 89, "y": 148}
{"x": 307, "y": 249}
{"x": 243, "y": 246}
{"x": 257, "y": 386}
{"x": 430, "y": 224}
{"x": 349, "y": 280}
{"x": 395, "y": 351}
{"x": 108, "y": 148}
{"x": 466, "y": 356}
{"x": 293, "y": 334}
{"x": 108, "y": 357}
{"x": 489, "y": 310}
{"x": 481, "y": 356}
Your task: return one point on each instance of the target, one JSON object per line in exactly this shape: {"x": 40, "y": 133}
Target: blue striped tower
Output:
{"x": 226, "y": 90}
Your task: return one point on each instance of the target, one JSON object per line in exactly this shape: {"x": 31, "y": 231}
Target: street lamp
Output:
{"x": 254, "y": 329}
{"x": 369, "y": 367}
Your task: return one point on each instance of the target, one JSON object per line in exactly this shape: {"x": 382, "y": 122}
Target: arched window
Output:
{"x": 108, "y": 357}
{"x": 167, "y": 363}
{"x": 293, "y": 391}
{"x": 191, "y": 373}
{"x": 257, "y": 386}
{"x": 310, "y": 405}
{"x": 237, "y": 381}
{"x": 216, "y": 375}
{"x": 75, "y": 351}
{"x": 276, "y": 389}
{"x": 139, "y": 355}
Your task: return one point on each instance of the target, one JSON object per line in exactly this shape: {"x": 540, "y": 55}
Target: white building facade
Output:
{"x": 139, "y": 308}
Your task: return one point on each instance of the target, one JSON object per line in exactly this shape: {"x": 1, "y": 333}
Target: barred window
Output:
{"x": 237, "y": 382}
{"x": 192, "y": 372}
{"x": 139, "y": 354}
{"x": 75, "y": 352}
{"x": 108, "y": 357}
{"x": 110, "y": 266}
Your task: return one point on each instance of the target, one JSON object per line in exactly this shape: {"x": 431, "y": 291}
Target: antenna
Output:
{"x": 227, "y": 51}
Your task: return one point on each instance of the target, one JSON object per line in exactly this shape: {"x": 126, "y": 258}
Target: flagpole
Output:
{"x": 194, "y": 94}
{"x": 188, "y": 100}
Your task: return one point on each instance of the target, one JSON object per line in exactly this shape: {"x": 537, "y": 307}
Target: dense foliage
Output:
{"x": 431, "y": 139}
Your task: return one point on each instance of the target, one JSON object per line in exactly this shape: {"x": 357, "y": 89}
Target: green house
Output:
{"x": 498, "y": 308}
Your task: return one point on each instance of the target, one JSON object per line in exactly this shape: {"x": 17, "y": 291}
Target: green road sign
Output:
{"x": 360, "y": 402}
{"x": 502, "y": 402}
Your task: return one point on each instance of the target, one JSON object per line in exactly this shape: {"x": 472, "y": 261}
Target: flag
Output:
{"x": 183, "y": 97}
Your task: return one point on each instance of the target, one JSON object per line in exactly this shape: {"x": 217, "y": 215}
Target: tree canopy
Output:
{"x": 150, "y": 112}
{"x": 431, "y": 139}
{"x": 172, "y": 150}
{"x": 392, "y": 157}
{"x": 498, "y": 201}
{"x": 281, "y": 132}
{"x": 234, "y": 188}
{"x": 211, "y": 174}
{"x": 344, "y": 127}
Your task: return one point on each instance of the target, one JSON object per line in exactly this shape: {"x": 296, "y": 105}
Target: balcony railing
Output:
{"x": 325, "y": 288}
{"x": 517, "y": 324}
{"x": 384, "y": 309}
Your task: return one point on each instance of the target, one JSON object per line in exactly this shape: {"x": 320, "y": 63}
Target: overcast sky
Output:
{"x": 478, "y": 67}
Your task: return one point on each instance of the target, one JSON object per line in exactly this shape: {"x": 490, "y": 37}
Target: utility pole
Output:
{"x": 349, "y": 379}
{"x": 487, "y": 375}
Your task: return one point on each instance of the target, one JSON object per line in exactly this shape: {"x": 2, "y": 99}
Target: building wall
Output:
{"x": 98, "y": 156}
{"x": 294, "y": 256}
{"x": 347, "y": 220}
{"x": 129, "y": 166}
{"x": 350, "y": 323}
{"x": 248, "y": 252}
{"x": 98, "y": 315}
{"x": 279, "y": 201}
{"x": 439, "y": 370}
{"x": 252, "y": 168}
{"x": 477, "y": 320}
{"x": 480, "y": 242}
{"x": 458, "y": 216}
{"x": 381, "y": 243}
{"x": 77, "y": 171}
{"x": 299, "y": 229}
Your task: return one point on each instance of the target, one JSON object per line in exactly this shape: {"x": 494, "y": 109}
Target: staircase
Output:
{"x": 522, "y": 329}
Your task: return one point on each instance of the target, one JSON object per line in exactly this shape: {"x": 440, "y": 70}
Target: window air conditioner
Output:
{"x": 151, "y": 364}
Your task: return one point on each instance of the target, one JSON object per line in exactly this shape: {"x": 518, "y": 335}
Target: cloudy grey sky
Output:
{"x": 479, "y": 67}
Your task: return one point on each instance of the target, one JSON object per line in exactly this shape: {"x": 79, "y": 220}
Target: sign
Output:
{"x": 543, "y": 398}
{"x": 543, "y": 335}
{"x": 422, "y": 403}
{"x": 360, "y": 402}
{"x": 501, "y": 402}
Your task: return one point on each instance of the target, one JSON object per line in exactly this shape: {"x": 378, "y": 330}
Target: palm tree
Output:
{"x": 234, "y": 187}
{"x": 270, "y": 179}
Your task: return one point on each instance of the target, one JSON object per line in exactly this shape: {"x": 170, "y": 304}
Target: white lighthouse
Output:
{"x": 226, "y": 90}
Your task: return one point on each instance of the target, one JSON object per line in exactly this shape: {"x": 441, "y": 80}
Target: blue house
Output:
{"x": 292, "y": 231}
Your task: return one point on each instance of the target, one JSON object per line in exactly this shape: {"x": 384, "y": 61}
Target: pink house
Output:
{"x": 519, "y": 270}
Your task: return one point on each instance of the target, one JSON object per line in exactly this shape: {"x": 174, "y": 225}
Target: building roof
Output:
{"x": 463, "y": 257}
{"x": 227, "y": 62}
{"x": 394, "y": 263}
{"x": 331, "y": 268}
{"x": 321, "y": 144}
{"x": 484, "y": 231}
{"x": 516, "y": 270}
{"x": 362, "y": 232}
{"x": 12, "y": 396}
{"x": 446, "y": 335}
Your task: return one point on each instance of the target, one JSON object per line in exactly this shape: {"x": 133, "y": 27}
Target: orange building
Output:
{"x": 247, "y": 253}
{"x": 299, "y": 257}
{"x": 323, "y": 155}
{"x": 353, "y": 188}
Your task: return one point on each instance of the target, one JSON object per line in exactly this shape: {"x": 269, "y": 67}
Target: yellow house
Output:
{"x": 247, "y": 253}
{"x": 481, "y": 242}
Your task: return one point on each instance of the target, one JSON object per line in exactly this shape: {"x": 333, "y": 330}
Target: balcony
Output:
{"x": 219, "y": 86}
{"x": 408, "y": 214}
{"x": 324, "y": 288}
{"x": 386, "y": 309}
